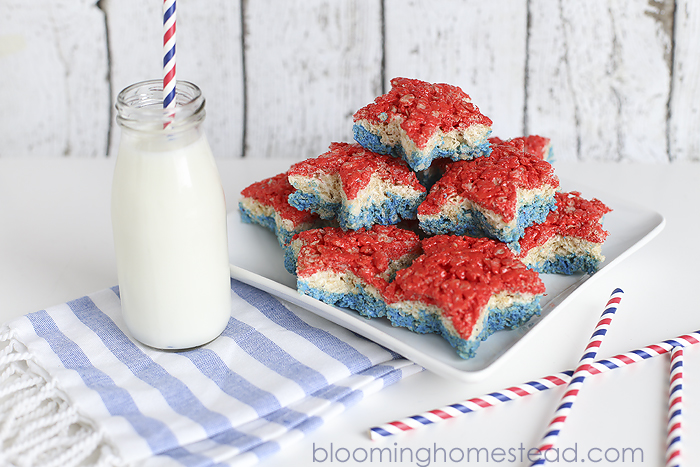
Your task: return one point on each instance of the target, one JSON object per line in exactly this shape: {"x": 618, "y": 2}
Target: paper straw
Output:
{"x": 516, "y": 392}
{"x": 169, "y": 81}
{"x": 470, "y": 405}
{"x": 675, "y": 403}
{"x": 579, "y": 376}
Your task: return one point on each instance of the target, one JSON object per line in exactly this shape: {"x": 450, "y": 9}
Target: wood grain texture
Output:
{"x": 684, "y": 124}
{"x": 209, "y": 54}
{"x": 310, "y": 64}
{"x": 599, "y": 79}
{"x": 615, "y": 80}
{"x": 478, "y": 46}
{"x": 134, "y": 35}
{"x": 54, "y": 87}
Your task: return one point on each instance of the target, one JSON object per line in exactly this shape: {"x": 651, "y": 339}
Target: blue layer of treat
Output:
{"x": 389, "y": 212}
{"x": 475, "y": 224}
{"x": 513, "y": 316}
{"x": 567, "y": 265}
{"x": 283, "y": 235}
{"x": 427, "y": 322}
{"x": 369, "y": 307}
{"x": 419, "y": 160}
{"x": 497, "y": 319}
{"x": 362, "y": 302}
{"x": 290, "y": 260}
{"x": 314, "y": 203}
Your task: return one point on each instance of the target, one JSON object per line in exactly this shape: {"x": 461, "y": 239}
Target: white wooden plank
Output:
{"x": 208, "y": 54}
{"x": 54, "y": 88}
{"x": 310, "y": 64}
{"x": 135, "y": 33}
{"x": 599, "y": 79}
{"x": 684, "y": 122}
{"x": 643, "y": 78}
{"x": 476, "y": 45}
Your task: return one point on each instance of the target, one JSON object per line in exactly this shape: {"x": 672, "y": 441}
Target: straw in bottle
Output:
{"x": 169, "y": 80}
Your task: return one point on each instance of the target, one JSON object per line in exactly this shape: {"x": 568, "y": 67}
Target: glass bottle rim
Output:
{"x": 140, "y": 106}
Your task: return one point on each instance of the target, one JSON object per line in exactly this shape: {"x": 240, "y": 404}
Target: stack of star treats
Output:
{"x": 427, "y": 220}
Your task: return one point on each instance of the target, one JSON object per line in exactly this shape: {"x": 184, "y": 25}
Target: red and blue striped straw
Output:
{"x": 169, "y": 81}
{"x": 516, "y": 392}
{"x": 675, "y": 415}
{"x": 562, "y": 412}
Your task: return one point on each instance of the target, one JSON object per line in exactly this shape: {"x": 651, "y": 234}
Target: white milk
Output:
{"x": 169, "y": 223}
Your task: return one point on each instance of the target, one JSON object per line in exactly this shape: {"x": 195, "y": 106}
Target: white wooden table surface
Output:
{"x": 56, "y": 245}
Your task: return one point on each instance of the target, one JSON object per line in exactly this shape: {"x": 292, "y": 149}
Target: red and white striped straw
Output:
{"x": 675, "y": 403}
{"x": 517, "y": 392}
{"x": 576, "y": 383}
{"x": 169, "y": 80}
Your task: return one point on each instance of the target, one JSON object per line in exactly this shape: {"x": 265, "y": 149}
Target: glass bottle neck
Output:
{"x": 140, "y": 108}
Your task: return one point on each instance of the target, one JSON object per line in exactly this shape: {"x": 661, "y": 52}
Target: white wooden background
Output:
{"x": 605, "y": 79}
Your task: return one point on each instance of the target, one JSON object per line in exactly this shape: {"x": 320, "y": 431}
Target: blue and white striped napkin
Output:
{"x": 76, "y": 390}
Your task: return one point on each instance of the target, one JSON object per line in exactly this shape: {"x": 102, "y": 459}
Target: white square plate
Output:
{"x": 257, "y": 259}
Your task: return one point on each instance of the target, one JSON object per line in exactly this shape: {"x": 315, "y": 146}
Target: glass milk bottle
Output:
{"x": 169, "y": 221}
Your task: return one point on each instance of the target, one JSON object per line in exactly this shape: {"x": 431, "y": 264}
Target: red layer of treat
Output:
{"x": 355, "y": 166}
{"x": 534, "y": 144}
{"x": 423, "y": 107}
{"x": 575, "y": 217}
{"x": 366, "y": 253}
{"x": 274, "y": 192}
{"x": 491, "y": 182}
{"x": 459, "y": 275}
{"x": 495, "y": 141}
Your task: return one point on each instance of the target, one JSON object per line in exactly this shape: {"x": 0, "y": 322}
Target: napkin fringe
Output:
{"x": 38, "y": 424}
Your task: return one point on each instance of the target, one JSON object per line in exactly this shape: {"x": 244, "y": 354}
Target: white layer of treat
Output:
{"x": 391, "y": 134}
{"x": 330, "y": 190}
{"x": 456, "y": 204}
{"x": 256, "y": 208}
{"x": 326, "y": 186}
{"x": 558, "y": 245}
{"x": 379, "y": 191}
{"x": 339, "y": 283}
{"x": 500, "y": 300}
